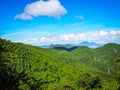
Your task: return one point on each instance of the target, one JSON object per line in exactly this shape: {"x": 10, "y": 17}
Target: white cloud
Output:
{"x": 51, "y": 8}
{"x": 113, "y": 32}
{"x": 97, "y": 36}
{"x": 40, "y": 37}
{"x": 79, "y": 17}
{"x": 23, "y": 16}
{"x": 103, "y": 33}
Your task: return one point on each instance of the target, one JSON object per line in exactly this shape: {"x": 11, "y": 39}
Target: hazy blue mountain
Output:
{"x": 61, "y": 45}
{"x": 85, "y": 43}
{"x": 45, "y": 46}
{"x": 89, "y": 44}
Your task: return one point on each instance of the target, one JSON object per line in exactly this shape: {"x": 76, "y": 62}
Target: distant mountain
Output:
{"x": 89, "y": 44}
{"x": 44, "y": 46}
{"x": 85, "y": 43}
{"x": 61, "y": 45}
{"x": 57, "y": 45}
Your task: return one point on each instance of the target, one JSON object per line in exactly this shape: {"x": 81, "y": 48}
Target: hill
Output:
{"x": 26, "y": 67}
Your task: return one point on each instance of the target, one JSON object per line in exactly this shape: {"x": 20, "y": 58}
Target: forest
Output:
{"x": 27, "y": 67}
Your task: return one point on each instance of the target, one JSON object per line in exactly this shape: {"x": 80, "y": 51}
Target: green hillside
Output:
{"x": 25, "y": 67}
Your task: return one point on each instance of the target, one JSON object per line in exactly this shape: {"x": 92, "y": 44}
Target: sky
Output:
{"x": 41, "y": 22}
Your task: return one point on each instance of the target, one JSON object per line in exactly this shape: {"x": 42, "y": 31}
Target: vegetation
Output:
{"x": 25, "y": 67}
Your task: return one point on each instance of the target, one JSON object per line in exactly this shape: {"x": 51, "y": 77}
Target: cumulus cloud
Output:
{"x": 51, "y": 8}
{"x": 23, "y": 16}
{"x": 79, "y": 17}
{"x": 76, "y": 38}
{"x": 103, "y": 33}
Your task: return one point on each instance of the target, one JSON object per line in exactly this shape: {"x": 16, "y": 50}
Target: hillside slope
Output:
{"x": 26, "y": 67}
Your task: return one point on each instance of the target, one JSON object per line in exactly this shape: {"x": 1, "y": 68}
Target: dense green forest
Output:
{"x": 26, "y": 67}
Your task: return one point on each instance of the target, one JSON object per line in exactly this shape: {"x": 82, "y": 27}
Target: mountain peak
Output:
{"x": 89, "y": 44}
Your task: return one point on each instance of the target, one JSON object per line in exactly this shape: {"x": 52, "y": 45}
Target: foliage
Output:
{"x": 25, "y": 67}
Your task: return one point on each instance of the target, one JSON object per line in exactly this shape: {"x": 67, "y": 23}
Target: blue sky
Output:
{"x": 39, "y": 22}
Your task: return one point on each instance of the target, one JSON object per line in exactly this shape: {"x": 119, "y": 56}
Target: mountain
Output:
{"x": 64, "y": 48}
{"x": 61, "y": 45}
{"x": 57, "y": 45}
{"x": 44, "y": 46}
{"x": 26, "y": 67}
{"x": 89, "y": 44}
{"x": 85, "y": 43}
{"x": 102, "y": 58}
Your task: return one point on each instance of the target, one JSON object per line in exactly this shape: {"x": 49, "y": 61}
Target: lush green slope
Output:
{"x": 102, "y": 58}
{"x": 26, "y": 67}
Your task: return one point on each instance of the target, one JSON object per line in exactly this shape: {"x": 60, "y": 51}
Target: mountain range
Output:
{"x": 26, "y": 67}
{"x": 90, "y": 44}
{"x": 85, "y": 43}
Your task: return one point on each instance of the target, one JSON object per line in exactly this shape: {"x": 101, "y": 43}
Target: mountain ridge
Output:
{"x": 34, "y": 67}
{"x": 84, "y": 43}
